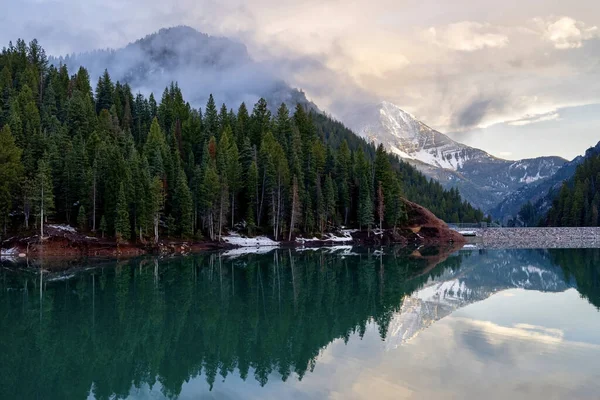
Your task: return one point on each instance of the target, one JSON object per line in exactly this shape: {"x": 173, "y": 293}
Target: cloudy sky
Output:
{"x": 518, "y": 78}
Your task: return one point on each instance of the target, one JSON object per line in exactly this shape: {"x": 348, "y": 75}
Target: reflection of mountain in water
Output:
{"x": 479, "y": 277}
{"x": 161, "y": 323}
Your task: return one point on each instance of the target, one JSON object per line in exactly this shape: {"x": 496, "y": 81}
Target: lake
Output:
{"x": 341, "y": 323}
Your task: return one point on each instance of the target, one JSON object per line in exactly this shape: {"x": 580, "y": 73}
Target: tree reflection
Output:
{"x": 146, "y": 320}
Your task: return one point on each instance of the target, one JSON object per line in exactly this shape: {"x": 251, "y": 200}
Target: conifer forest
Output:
{"x": 135, "y": 167}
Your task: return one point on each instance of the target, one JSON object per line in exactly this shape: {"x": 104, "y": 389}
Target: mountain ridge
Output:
{"x": 541, "y": 194}
{"x": 483, "y": 179}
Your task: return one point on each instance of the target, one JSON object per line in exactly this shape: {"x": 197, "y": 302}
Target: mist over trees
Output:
{"x": 137, "y": 168}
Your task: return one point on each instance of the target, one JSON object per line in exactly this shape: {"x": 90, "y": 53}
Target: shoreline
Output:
{"x": 537, "y": 238}
{"x": 54, "y": 249}
{"x": 422, "y": 227}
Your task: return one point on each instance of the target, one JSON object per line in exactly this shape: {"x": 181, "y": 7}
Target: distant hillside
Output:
{"x": 577, "y": 202}
{"x": 541, "y": 195}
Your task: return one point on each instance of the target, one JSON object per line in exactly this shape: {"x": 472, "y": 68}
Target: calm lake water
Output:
{"x": 346, "y": 324}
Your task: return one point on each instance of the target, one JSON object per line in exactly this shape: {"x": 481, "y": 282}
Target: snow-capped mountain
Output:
{"x": 411, "y": 139}
{"x": 478, "y": 278}
{"x": 484, "y": 180}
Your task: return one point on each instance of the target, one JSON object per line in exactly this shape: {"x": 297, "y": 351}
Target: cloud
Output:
{"x": 455, "y": 65}
{"x": 566, "y": 32}
{"x": 467, "y": 36}
{"x": 474, "y": 113}
{"x": 533, "y": 119}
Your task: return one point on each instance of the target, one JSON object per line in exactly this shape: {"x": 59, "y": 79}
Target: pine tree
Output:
{"x": 211, "y": 119}
{"x": 103, "y": 226}
{"x": 282, "y": 128}
{"x": 242, "y": 125}
{"x": 365, "y": 198}
{"x": 122, "y": 226}
{"x": 11, "y": 170}
{"x": 155, "y": 150}
{"x": 212, "y": 188}
{"x": 252, "y": 192}
{"x": 43, "y": 192}
{"x": 330, "y": 199}
{"x": 184, "y": 207}
{"x": 380, "y": 204}
{"x": 295, "y": 207}
{"x": 343, "y": 173}
{"x": 104, "y": 93}
{"x": 260, "y": 121}
{"x": 156, "y": 205}
{"x": 82, "y": 218}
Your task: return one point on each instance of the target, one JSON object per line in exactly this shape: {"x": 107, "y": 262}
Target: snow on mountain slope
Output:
{"x": 474, "y": 282}
{"x": 411, "y": 139}
{"x": 482, "y": 179}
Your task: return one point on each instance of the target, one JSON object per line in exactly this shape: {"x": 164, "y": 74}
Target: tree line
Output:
{"x": 132, "y": 167}
{"x": 578, "y": 201}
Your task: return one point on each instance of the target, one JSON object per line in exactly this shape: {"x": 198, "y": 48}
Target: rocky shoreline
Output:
{"x": 65, "y": 242}
{"x": 531, "y": 238}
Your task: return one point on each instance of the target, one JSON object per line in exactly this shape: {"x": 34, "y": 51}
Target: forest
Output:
{"x": 578, "y": 201}
{"x": 131, "y": 167}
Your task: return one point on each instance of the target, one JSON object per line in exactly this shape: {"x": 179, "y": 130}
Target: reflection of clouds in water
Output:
{"x": 518, "y": 331}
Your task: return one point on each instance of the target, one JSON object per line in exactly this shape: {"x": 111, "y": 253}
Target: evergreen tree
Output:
{"x": 11, "y": 170}
{"x": 103, "y": 226}
{"x": 122, "y": 225}
{"x": 260, "y": 122}
{"x": 44, "y": 197}
{"x": 184, "y": 207}
{"x": 104, "y": 92}
{"x": 211, "y": 119}
{"x": 156, "y": 205}
{"x": 82, "y": 218}
{"x": 252, "y": 192}
{"x": 330, "y": 199}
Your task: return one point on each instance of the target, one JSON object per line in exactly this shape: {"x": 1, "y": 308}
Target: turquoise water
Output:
{"x": 340, "y": 324}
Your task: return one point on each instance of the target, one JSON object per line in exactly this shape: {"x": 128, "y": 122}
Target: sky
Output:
{"x": 518, "y": 79}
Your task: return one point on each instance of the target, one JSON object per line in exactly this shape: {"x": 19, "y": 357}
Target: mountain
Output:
{"x": 482, "y": 179}
{"x": 479, "y": 277}
{"x": 200, "y": 63}
{"x": 542, "y": 193}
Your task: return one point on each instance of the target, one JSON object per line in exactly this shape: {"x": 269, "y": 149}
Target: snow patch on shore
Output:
{"x": 346, "y": 236}
{"x": 259, "y": 241}
{"x": 66, "y": 228}
{"x": 9, "y": 252}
